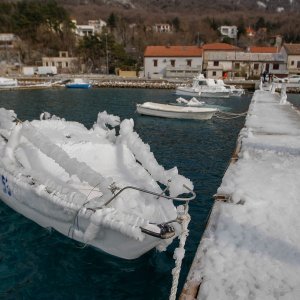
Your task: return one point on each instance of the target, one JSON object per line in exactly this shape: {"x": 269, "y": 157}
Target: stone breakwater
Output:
{"x": 135, "y": 84}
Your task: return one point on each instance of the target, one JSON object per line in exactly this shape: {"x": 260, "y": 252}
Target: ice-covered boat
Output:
{"x": 92, "y": 185}
{"x": 192, "y": 102}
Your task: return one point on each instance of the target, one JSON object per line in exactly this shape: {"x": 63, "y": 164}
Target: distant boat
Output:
{"x": 234, "y": 91}
{"x": 176, "y": 112}
{"x": 78, "y": 83}
{"x": 6, "y": 83}
{"x": 203, "y": 87}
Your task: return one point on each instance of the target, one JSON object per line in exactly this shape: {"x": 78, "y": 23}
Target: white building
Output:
{"x": 218, "y": 60}
{"x": 63, "y": 62}
{"x": 172, "y": 61}
{"x": 236, "y": 62}
{"x": 230, "y": 31}
{"x": 93, "y": 27}
{"x": 291, "y": 53}
{"x": 162, "y": 28}
{"x": 7, "y": 40}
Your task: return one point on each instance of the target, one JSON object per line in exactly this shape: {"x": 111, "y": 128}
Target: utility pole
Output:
{"x": 106, "y": 54}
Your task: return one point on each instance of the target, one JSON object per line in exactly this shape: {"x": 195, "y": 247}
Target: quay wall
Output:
{"x": 250, "y": 247}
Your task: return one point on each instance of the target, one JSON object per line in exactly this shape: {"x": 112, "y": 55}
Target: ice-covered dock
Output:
{"x": 251, "y": 246}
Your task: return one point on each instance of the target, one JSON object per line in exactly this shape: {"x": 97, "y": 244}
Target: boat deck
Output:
{"x": 251, "y": 245}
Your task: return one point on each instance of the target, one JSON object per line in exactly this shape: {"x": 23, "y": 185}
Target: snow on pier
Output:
{"x": 251, "y": 246}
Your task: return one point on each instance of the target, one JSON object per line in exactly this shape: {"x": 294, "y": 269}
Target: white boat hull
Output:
{"x": 203, "y": 94}
{"x": 25, "y": 200}
{"x": 86, "y": 185}
{"x": 195, "y": 113}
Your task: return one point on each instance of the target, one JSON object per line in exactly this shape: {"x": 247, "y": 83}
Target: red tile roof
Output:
{"x": 292, "y": 49}
{"x": 173, "y": 51}
{"x": 220, "y": 47}
{"x": 256, "y": 49}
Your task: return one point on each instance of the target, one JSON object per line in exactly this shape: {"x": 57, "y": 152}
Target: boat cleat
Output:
{"x": 161, "y": 231}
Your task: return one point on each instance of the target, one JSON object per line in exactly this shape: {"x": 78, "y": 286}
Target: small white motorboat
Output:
{"x": 203, "y": 87}
{"x": 6, "y": 83}
{"x": 175, "y": 111}
{"x": 94, "y": 186}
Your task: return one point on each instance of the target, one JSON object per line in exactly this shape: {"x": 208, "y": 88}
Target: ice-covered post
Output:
{"x": 273, "y": 88}
{"x": 261, "y": 85}
{"x": 283, "y": 95}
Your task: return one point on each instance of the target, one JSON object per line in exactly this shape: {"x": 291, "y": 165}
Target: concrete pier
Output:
{"x": 251, "y": 245}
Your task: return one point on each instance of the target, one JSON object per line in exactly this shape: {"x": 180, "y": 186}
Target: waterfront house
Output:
{"x": 64, "y": 63}
{"x": 172, "y": 61}
{"x": 218, "y": 60}
{"x": 259, "y": 59}
{"x": 291, "y": 53}
{"x": 222, "y": 61}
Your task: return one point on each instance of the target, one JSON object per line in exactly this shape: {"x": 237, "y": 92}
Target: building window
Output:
{"x": 216, "y": 63}
{"x": 189, "y": 62}
{"x": 237, "y": 66}
{"x": 67, "y": 64}
{"x": 47, "y": 64}
{"x": 292, "y": 63}
{"x": 256, "y": 66}
{"x": 155, "y": 62}
{"x": 214, "y": 73}
{"x": 275, "y": 66}
{"x": 172, "y": 62}
{"x": 53, "y": 64}
{"x": 298, "y": 64}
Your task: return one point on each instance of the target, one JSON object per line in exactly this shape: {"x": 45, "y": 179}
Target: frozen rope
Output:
{"x": 179, "y": 252}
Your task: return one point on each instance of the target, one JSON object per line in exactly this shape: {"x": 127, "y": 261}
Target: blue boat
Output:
{"x": 78, "y": 83}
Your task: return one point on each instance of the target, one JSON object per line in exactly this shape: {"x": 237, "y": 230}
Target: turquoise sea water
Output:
{"x": 36, "y": 263}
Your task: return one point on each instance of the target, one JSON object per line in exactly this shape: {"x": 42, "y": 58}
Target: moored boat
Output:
{"x": 176, "y": 112}
{"x": 203, "y": 87}
{"x": 78, "y": 83}
{"x": 88, "y": 185}
{"x": 6, "y": 83}
{"x": 234, "y": 91}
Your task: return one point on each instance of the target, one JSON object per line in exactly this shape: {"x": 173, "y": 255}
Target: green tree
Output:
{"x": 91, "y": 49}
{"x": 176, "y": 24}
{"x": 112, "y": 21}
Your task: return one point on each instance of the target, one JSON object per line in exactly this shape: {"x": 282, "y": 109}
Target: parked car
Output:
{"x": 294, "y": 79}
{"x": 280, "y": 80}
{"x": 290, "y": 79}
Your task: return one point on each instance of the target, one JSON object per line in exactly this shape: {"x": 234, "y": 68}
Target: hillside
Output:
{"x": 186, "y": 7}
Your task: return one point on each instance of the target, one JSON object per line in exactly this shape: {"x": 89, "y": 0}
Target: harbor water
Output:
{"x": 38, "y": 263}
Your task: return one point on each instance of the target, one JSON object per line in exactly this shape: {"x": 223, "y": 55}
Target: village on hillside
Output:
{"x": 60, "y": 45}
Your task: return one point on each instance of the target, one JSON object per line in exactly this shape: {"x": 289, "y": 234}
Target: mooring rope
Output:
{"x": 180, "y": 252}
{"x": 228, "y": 115}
